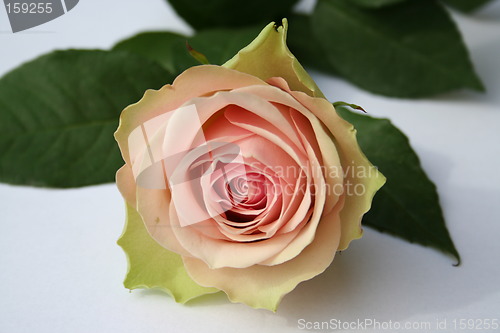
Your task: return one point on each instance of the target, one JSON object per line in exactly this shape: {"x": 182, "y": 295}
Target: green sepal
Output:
{"x": 152, "y": 266}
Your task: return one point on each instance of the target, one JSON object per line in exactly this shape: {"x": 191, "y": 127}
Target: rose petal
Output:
{"x": 350, "y": 155}
{"x": 195, "y": 81}
{"x": 152, "y": 266}
{"x": 264, "y": 286}
{"x": 329, "y": 156}
{"x": 307, "y": 233}
{"x": 154, "y": 207}
{"x": 126, "y": 184}
{"x": 219, "y": 253}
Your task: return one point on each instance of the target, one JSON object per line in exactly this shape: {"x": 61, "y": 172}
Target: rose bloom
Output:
{"x": 248, "y": 176}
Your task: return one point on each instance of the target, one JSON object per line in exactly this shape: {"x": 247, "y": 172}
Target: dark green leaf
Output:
{"x": 58, "y": 114}
{"x": 304, "y": 46}
{"x": 375, "y": 3}
{"x": 407, "y": 205}
{"x": 412, "y": 49}
{"x": 202, "y": 14}
{"x": 164, "y": 47}
{"x": 218, "y": 45}
{"x": 353, "y": 106}
{"x": 467, "y": 5}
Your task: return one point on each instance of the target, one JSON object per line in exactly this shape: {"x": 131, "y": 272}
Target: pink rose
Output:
{"x": 252, "y": 182}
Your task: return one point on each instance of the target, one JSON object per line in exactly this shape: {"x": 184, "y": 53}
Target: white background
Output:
{"x": 61, "y": 270}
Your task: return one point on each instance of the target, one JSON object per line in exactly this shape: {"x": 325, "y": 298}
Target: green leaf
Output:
{"x": 201, "y": 14}
{"x": 353, "y": 106}
{"x": 153, "y": 266}
{"x": 412, "y": 49}
{"x": 58, "y": 114}
{"x": 467, "y": 5}
{"x": 375, "y": 3}
{"x": 304, "y": 45}
{"x": 408, "y": 204}
{"x": 220, "y": 45}
{"x": 166, "y": 48}
{"x": 169, "y": 50}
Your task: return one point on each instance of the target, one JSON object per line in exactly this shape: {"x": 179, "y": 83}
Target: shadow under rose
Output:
{"x": 385, "y": 278}
{"x": 215, "y": 299}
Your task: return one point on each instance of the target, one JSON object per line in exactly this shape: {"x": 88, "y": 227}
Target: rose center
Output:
{"x": 248, "y": 191}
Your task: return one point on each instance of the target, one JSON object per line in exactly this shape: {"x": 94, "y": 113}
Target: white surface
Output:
{"x": 61, "y": 270}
